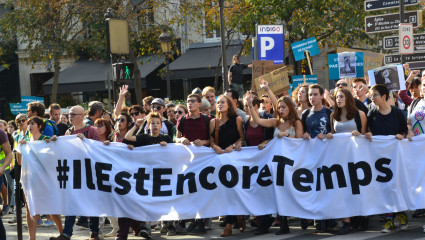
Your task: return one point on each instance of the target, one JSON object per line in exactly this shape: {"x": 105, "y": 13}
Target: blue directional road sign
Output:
{"x": 271, "y": 44}
{"x": 300, "y": 47}
{"x": 374, "y": 5}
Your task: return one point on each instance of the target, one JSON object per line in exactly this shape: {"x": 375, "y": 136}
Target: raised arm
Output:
{"x": 260, "y": 121}
{"x": 118, "y": 107}
{"x": 265, "y": 86}
{"x": 129, "y": 135}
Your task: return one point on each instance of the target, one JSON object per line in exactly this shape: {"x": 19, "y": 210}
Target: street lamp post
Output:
{"x": 223, "y": 48}
{"x": 165, "y": 40}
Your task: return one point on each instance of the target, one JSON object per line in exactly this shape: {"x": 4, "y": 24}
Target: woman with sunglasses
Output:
{"x": 121, "y": 127}
{"x": 35, "y": 127}
{"x": 300, "y": 96}
{"x": 227, "y": 135}
{"x": 180, "y": 111}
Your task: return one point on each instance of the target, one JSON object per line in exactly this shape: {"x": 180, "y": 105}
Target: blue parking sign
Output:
{"x": 271, "y": 44}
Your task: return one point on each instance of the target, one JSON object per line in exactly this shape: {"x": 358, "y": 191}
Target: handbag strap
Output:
{"x": 217, "y": 127}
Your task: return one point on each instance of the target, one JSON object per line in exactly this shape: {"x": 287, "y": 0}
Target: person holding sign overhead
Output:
{"x": 235, "y": 76}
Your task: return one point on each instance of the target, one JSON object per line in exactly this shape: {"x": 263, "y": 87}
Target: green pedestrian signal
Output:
{"x": 123, "y": 71}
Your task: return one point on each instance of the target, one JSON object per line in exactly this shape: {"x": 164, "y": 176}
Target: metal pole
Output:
{"x": 223, "y": 48}
{"x": 401, "y": 21}
{"x": 167, "y": 73}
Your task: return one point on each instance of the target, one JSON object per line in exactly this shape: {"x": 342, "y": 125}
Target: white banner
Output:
{"x": 314, "y": 179}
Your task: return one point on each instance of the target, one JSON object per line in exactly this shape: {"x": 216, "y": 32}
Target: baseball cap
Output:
{"x": 158, "y": 101}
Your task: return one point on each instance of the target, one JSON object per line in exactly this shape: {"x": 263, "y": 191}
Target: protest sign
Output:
{"x": 299, "y": 79}
{"x": 278, "y": 81}
{"x": 17, "y": 108}
{"x": 345, "y": 65}
{"x": 28, "y": 99}
{"x": 391, "y": 76}
{"x": 371, "y": 60}
{"x": 258, "y": 69}
{"x": 300, "y": 47}
{"x": 291, "y": 177}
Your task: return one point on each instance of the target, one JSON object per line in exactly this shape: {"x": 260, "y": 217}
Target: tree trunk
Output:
{"x": 137, "y": 79}
{"x": 54, "y": 97}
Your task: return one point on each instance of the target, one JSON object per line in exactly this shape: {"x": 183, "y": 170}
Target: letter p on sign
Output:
{"x": 267, "y": 43}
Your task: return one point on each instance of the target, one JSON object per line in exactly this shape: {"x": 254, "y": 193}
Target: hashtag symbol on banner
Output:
{"x": 62, "y": 171}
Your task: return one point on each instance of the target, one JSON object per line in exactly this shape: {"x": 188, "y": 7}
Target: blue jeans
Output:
{"x": 70, "y": 221}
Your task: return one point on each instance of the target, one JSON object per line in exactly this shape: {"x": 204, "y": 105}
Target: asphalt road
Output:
{"x": 415, "y": 231}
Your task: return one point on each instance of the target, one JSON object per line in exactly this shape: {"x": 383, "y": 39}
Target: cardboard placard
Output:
{"x": 278, "y": 81}
{"x": 371, "y": 60}
{"x": 258, "y": 69}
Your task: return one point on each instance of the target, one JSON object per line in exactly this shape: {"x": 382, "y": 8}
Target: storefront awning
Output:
{"x": 201, "y": 62}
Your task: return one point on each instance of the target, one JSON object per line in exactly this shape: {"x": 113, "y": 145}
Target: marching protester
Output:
{"x": 154, "y": 123}
{"x": 158, "y": 106}
{"x": 55, "y": 113}
{"x": 35, "y": 127}
{"x": 194, "y": 128}
{"x": 147, "y": 101}
{"x": 209, "y": 94}
{"x": 343, "y": 83}
{"x": 413, "y": 86}
{"x": 82, "y": 130}
{"x": 360, "y": 90}
{"x": 235, "y": 75}
{"x": 37, "y": 109}
{"x": 94, "y": 112}
{"x": 170, "y": 113}
{"x": 104, "y": 129}
{"x": 206, "y": 108}
{"x": 227, "y": 135}
{"x": 234, "y": 96}
{"x": 300, "y": 96}
{"x": 180, "y": 111}
{"x": 64, "y": 119}
{"x": 416, "y": 113}
{"x": 386, "y": 119}
{"x": 7, "y": 159}
{"x": 346, "y": 118}
{"x": 266, "y": 104}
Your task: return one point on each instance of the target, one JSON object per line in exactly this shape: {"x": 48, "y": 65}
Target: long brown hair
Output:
{"x": 349, "y": 105}
{"x": 293, "y": 114}
{"x": 295, "y": 94}
{"x": 231, "y": 112}
{"x": 107, "y": 124}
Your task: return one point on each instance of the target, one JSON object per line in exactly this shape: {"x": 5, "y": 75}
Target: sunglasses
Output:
{"x": 157, "y": 107}
{"x": 341, "y": 85}
{"x": 122, "y": 120}
{"x": 179, "y": 112}
{"x": 21, "y": 121}
{"x": 191, "y": 101}
{"x": 134, "y": 114}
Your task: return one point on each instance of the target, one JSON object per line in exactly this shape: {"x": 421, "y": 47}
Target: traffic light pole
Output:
{"x": 401, "y": 21}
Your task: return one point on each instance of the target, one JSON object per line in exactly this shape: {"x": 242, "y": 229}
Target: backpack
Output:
{"x": 85, "y": 130}
{"x": 207, "y": 122}
{"x": 53, "y": 124}
{"x": 413, "y": 105}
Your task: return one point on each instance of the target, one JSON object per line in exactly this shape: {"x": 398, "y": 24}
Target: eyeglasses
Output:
{"x": 21, "y": 121}
{"x": 179, "y": 112}
{"x": 74, "y": 114}
{"x": 157, "y": 107}
{"x": 191, "y": 101}
{"x": 134, "y": 114}
{"x": 122, "y": 120}
{"x": 341, "y": 85}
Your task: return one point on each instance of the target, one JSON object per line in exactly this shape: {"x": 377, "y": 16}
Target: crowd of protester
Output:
{"x": 225, "y": 124}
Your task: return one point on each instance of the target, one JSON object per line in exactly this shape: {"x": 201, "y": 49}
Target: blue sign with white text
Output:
{"x": 271, "y": 44}
{"x": 28, "y": 99}
{"x": 345, "y": 65}
{"x": 17, "y": 108}
{"x": 300, "y": 47}
{"x": 299, "y": 79}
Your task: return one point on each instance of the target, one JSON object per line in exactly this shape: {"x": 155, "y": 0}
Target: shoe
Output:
{"x": 222, "y": 224}
{"x": 82, "y": 224}
{"x": 145, "y": 234}
{"x": 94, "y": 236}
{"x": 227, "y": 231}
{"x": 164, "y": 228}
{"x": 418, "y": 213}
{"x": 277, "y": 221}
{"x": 364, "y": 223}
{"x": 241, "y": 222}
{"x": 197, "y": 231}
{"x": 13, "y": 220}
{"x": 404, "y": 224}
{"x": 11, "y": 210}
{"x": 304, "y": 223}
{"x": 47, "y": 223}
{"x": 261, "y": 231}
{"x": 171, "y": 230}
{"x": 158, "y": 226}
{"x": 255, "y": 222}
{"x": 388, "y": 227}
{"x": 40, "y": 222}
{"x": 60, "y": 237}
{"x": 345, "y": 229}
